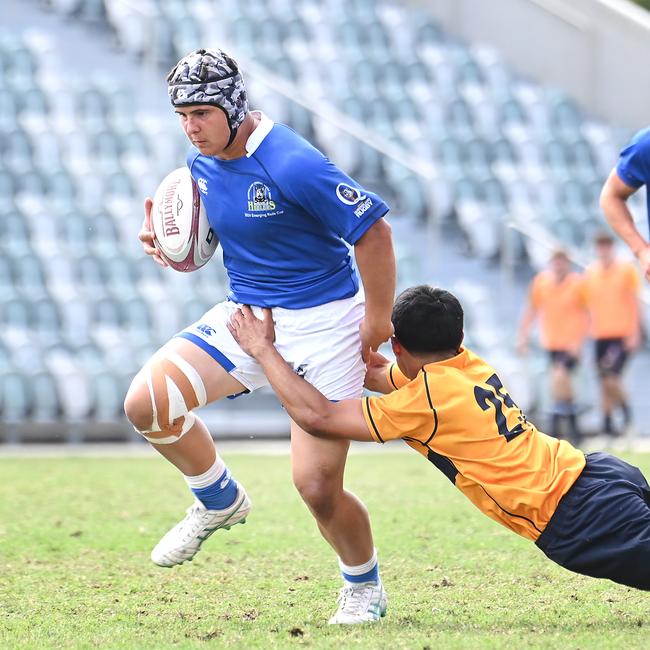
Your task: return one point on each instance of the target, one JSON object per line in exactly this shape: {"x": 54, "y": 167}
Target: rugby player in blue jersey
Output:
{"x": 631, "y": 172}
{"x": 283, "y": 213}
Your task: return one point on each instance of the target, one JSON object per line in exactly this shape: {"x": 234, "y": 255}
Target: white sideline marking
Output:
{"x": 130, "y": 450}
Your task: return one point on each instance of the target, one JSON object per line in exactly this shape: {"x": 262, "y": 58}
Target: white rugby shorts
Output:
{"x": 321, "y": 343}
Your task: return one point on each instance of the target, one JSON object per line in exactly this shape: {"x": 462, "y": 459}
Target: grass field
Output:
{"x": 75, "y": 536}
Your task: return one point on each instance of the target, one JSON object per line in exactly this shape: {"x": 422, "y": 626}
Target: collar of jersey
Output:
{"x": 457, "y": 361}
{"x": 256, "y": 138}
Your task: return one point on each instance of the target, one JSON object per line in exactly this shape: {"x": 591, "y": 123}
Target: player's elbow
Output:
{"x": 610, "y": 198}
{"x": 311, "y": 421}
{"x": 383, "y": 232}
{"x": 317, "y": 423}
{"x": 605, "y": 198}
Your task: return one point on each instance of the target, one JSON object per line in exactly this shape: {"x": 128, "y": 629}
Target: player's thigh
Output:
{"x": 559, "y": 371}
{"x": 217, "y": 382}
{"x": 561, "y": 376}
{"x": 323, "y": 345}
{"x": 317, "y": 464}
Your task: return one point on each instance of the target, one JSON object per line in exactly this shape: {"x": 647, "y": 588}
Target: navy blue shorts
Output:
{"x": 563, "y": 358}
{"x": 611, "y": 356}
{"x": 601, "y": 527}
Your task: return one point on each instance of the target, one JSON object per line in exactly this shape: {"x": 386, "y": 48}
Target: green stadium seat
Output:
{"x": 119, "y": 277}
{"x": 92, "y": 11}
{"x": 17, "y": 151}
{"x": 45, "y": 399}
{"x": 107, "y": 312}
{"x": 30, "y": 277}
{"x": 89, "y": 357}
{"x": 186, "y": 34}
{"x": 14, "y": 397}
{"x": 107, "y": 397}
{"x": 8, "y": 184}
{"x": 60, "y": 187}
{"x": 90, "y": 277}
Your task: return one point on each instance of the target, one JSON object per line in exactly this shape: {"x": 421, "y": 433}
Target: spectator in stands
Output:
{"x": 611, "y": 293}
{"x": 555, "y": 297}
{"x": 631, "y": 172}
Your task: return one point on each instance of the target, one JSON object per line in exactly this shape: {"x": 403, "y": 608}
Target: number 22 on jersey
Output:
{"x": 497, "y": 397}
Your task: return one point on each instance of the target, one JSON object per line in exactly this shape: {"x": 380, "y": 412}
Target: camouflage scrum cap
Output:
{"x": 210, "y": 77}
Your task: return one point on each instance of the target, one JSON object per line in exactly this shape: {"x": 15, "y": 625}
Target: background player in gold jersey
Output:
{"x": 555, "y": 298}
{"x": 611, "y": 293}
{"x": 589, "y": 514}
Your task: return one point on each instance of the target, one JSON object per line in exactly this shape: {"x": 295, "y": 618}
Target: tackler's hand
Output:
{"x": 373, "y": 334}
{"x": 253, "y": 335}
{"x": 376, "y": 369}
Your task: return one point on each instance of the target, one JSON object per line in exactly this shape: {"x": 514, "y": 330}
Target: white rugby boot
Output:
{"x": 365, "y": 602}
{"x": 184, "y": 540}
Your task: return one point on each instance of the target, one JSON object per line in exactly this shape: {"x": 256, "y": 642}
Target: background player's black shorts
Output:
{"x": 601, "y": 527}
{"x": 563, "y": 358}
{"x": 611, "y": 356}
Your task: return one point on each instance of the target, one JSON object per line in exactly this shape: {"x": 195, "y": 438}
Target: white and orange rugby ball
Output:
{"x": 182, "y": 233}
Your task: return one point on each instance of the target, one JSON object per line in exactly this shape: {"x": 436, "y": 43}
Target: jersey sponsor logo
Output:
{"x": 301, "y": 370}
{"x": 348, "y": 194}
{"x": 259, "y": 198}
{"x": 206, "y": 329}
{"x": 203, "y": 185}
{"x": 364, "y": 207}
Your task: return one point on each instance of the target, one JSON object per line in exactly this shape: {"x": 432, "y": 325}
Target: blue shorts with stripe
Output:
{"x": 601, "y": 527}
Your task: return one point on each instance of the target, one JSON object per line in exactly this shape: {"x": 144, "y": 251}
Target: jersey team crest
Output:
{"x": 259, "y": 198}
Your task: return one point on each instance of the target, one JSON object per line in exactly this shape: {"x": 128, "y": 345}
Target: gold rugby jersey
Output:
{"x": 459, "y": 416}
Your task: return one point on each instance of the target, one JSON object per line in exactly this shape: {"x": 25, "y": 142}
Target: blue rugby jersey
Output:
{"x": 633, "y": 166}
{"x": 283, "y": 214}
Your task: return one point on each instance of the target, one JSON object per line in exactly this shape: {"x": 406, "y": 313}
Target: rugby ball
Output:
{"x": 182, "y": 233}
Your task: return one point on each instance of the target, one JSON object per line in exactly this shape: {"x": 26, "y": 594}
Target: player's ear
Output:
{"x": 396, "y": 346}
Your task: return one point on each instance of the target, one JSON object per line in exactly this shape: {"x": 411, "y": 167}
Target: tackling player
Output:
{"x": 631, "y": 172}
{"x": 589, "y": 514}
{"x": 283, "y": 213}
{"x": 555, "y": 296}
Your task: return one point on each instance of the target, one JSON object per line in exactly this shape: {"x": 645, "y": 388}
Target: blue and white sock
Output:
{"x": 215, "y": 488}
{"x": 367, "y": 572}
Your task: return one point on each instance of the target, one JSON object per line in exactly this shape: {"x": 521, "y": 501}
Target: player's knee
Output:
{"x": 137, "y": 406}
{"x": 161, "y": 398}
{"x": 320, "y": 491}
{"x": 610, "y": 381}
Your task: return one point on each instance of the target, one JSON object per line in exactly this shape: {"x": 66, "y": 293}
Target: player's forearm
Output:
{"x": 613, "y": 201}
{"x": 306, "y": 406}
{"x": 620, "y": 219}
{"x": 376, "y": 263}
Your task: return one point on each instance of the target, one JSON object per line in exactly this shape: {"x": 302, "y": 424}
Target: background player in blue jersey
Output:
{"x": 631, "y": 172}
{"x": 283, "y": 213}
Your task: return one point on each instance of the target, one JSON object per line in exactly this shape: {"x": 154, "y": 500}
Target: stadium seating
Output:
{"x": 75, "y": 165}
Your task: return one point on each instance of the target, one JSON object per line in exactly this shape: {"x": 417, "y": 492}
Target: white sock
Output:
{"x": 366, "y": 572}
{"x": 209, "y": 476}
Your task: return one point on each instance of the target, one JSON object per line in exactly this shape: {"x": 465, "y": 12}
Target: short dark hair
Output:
{"x": 427, "y": 319}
